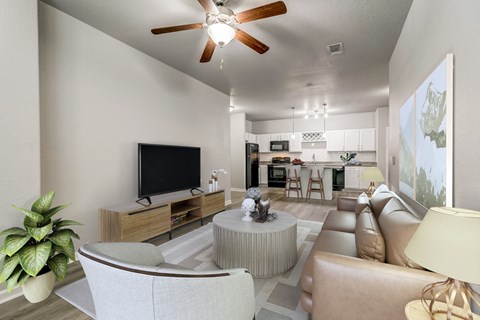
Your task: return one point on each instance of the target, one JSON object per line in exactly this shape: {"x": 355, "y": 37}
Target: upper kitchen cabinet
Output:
{"x": 360, "y": 140}
{"x": 250, "y": 138}
{"x": 336, "y": 140}
{"x": 280, "y": 136}
{"x": 351, "y": 140}
{"x": 295, "y": 144}
{"x": 263, "y": 141}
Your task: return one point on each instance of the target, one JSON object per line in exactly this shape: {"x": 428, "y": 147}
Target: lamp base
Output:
{"x": 371, "y": 189}
{"x": 447, "y": 290}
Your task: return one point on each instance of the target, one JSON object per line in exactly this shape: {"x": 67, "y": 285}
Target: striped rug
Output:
{"x": 275, "y": 298}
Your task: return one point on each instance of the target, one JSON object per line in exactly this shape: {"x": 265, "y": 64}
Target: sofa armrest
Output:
{"x": 346, "y": 203}
{"x": 352, "y": 288}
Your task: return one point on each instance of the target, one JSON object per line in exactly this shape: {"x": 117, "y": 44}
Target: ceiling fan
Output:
{"x": 221, "y": 21}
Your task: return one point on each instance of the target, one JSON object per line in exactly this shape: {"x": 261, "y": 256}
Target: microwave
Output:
{"x": 279, "y": 145}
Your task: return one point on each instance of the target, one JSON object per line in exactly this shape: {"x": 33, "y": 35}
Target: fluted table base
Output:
{"x": 265, "y": 249}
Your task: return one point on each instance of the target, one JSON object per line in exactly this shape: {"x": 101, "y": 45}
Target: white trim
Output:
{"x": 5, "y": 296}
{"x": 227, "y": 202}
{"x": 449, "y": 102}
{"x": 238, "y": 189}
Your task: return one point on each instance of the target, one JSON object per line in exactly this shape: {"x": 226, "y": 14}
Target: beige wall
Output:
{"x": 99, "y": 98}
{"x": 434, "y": 28}
{"x": 381, "y": 119}
{"x": 237, "y": 142}
{"x": 19, "y": 111}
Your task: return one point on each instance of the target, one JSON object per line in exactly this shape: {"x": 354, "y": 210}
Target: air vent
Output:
{"x": 335, "y": 49}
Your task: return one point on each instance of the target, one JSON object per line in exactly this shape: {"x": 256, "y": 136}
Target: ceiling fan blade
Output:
{"x": 250, "y": 41}
{"x": 178, "y": 28}
{"x": 208, "y": 51}
{"x": 266, "y": 11}
{"x": 208, "y": 6}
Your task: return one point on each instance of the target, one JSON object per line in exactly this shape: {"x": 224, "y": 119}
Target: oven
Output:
{"x": 277, "y": 172}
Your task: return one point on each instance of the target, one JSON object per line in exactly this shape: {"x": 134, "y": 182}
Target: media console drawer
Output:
{"x": 134, "y": 222}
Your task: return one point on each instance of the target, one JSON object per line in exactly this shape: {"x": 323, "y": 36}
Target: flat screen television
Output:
{"x": 167, "y": 168}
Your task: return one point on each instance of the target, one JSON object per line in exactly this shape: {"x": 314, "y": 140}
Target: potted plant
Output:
{"x": 39, "y": 252}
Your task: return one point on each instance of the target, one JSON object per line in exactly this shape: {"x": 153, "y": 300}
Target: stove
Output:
{"x": 277, "y": 172}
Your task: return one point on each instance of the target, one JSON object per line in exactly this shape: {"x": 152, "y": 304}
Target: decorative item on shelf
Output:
{"x": 248, "y": 206}
{"x": 446, "y": 242}
{"x": 214, "y": 179}
{"x": 372, "y": 175}
{"x": 39, "y": 253}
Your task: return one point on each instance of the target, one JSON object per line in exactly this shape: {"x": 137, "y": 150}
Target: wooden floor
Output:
{"x": 55, "y": 308}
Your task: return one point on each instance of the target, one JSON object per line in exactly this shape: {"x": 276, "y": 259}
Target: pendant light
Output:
{"x": 293, "y": 123}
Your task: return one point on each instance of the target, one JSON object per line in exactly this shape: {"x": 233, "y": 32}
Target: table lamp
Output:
{"x": 448, "y": 242}
{"x": 372, "y": 175}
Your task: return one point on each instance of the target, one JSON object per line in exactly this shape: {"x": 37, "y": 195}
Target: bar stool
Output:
{"x": 316, "y": 174}
{"x": 293, "y": 181}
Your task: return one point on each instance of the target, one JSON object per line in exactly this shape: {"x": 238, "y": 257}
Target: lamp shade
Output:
{"x": 448, "y": 242}
{"x": 372, "y": 174}
{"x": 221, "y": 33}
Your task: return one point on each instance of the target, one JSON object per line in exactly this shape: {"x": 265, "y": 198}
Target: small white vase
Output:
{"x": 38, "y": 288}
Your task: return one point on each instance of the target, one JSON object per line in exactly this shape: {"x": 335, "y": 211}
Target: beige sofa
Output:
{"x": 357, "y": 268}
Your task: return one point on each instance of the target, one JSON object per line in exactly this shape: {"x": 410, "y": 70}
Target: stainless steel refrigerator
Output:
{"x": 252, "y": 163}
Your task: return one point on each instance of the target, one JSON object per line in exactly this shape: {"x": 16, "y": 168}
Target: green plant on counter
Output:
{"x": 43, "y": 245}
{"x": 347, "y": 157}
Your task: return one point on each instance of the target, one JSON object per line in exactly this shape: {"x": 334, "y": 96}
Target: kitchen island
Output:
{"x": 327, "y": 181}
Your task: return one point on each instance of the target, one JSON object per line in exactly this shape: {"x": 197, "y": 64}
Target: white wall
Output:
{"x": 19, "y": 111}
{"x": 237, "y": 143}
{"x": 432, "y": 29}
{"x": 381, "y": 119}
{"x": 333, "y": 122}
{"x": 99, "y": 98}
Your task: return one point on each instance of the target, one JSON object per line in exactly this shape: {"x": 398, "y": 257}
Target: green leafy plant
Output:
{"x": 43, "y": 245}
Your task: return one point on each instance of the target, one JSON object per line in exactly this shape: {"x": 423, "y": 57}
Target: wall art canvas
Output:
{"x": 426, "y": 140}
{"x": 407, "y": 148}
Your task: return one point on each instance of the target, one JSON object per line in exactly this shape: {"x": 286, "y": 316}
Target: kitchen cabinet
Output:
{"x": 295, "y": 144}
{"x": 353, "y": 178}
{"x": 336, "y": 140}
{"x": 263, "y": 141}
{"x": 368, "y": 140}
{"x": 263, "y": 174}
{"x": 360, "y": 140}
{"x": 280, "y": 136}
{"x": 250, "y": 137}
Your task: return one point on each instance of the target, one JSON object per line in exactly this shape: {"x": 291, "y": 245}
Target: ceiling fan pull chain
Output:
{"x": 221, "y": 63}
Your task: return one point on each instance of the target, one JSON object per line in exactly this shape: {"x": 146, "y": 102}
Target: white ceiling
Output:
{"x": 266, "y": 86}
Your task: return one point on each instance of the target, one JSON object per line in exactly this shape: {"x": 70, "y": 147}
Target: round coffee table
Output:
{"x": 265, "y": 249}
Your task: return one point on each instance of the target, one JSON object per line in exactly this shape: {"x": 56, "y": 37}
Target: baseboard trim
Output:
{"x": 238, "y": 189}
{"x": 227, "y": 202}
{"x": 5, "y": 296}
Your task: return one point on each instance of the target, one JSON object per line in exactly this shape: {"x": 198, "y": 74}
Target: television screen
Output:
{"x": 165, "y": 168}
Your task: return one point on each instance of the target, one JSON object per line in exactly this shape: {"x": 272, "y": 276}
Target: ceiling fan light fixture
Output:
{"x": 221, "y": 33}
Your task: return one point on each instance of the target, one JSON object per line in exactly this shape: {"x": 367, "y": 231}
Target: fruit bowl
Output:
{"x": 297, "y": 162}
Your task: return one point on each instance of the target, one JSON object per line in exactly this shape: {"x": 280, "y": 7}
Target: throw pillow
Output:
{"x": 361, "y": 203}
{"x": 368, "y": 237}
{"x": 381, "y": 188}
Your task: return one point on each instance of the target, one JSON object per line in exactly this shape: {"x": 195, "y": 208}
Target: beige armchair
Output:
{"x": 132, "y": 281}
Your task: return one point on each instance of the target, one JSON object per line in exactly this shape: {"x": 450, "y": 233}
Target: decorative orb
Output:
{"x": 248, "y": 205}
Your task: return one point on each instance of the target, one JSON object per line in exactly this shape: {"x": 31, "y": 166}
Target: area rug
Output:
{"x": 275, "y": 298}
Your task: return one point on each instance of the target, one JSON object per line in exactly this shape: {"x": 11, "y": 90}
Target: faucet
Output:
{"x": 313, "y": 158}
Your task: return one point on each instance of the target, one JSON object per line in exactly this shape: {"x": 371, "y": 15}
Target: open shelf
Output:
{"x": 185, "y": 221}
{"x": 183, "y": 208}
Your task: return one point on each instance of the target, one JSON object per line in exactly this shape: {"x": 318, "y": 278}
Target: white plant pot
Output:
{"x": 38, "y": 288}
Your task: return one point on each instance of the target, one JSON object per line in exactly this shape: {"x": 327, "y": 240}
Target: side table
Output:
{"x": 414, "y": 310}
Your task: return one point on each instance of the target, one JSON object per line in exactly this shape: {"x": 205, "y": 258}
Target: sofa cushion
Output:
{"x": 368, "y": 237}
{"x": 361, "y": 203}
{"x": 398, "y": 228}
{"x": 378, "y": 202}
{"x": 329, "y": 241}
{"x": 340, "y": 221}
